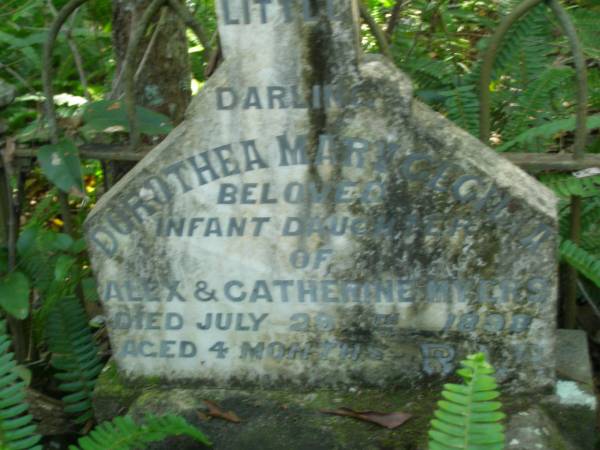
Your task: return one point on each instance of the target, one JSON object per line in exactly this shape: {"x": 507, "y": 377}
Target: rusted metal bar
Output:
{"x": 97, "y": 151}
{"x": 20, "y": 343}
{"x": 488, "y": 64}
{"x": 530, "y": 162}
{"x": 570, "y": 306}
{"x": 580, "y": 72}
{"x": 58, "y": 23}
{"x": 560, "y": 162}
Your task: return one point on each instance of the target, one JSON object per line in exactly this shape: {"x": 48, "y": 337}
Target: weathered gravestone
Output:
{"x": 310, "y": 224}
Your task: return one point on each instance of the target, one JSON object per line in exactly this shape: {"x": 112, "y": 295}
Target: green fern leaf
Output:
{"x": 548, "y": 130}
{"x": 16, "y": 429}
{"x": 535, "y": 103}
{"x": 462, "y": 105}
{"x": 566, "y": 185}
{"x": 524, "y": 51}
{"x": 586, "y": 263}
{"x": 75, "y": 356}
{"x": 590, "y": 216}
{"x": 468, "y": 417}
{"x": 590, "y": 242}
{"x": 124, "y": 434}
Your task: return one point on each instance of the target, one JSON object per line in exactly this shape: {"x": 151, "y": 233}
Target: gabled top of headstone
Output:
{"x": 310, "y": 224}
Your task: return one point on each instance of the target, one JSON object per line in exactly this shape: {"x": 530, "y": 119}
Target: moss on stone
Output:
{"x": 275, "y": 419}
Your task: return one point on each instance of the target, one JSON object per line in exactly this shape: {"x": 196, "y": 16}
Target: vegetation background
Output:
{"x": 47, "y": 292}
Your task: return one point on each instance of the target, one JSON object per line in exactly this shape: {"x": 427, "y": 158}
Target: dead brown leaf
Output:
{"x": 215, "y": 410}
{"x": 203, "y": 417}
{"x": 387, "y": 420}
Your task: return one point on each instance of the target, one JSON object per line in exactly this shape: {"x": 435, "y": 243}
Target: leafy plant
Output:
{"x": 585, "y": 262}
{"x": 123, "y": 433}
{"x": 60, "y": 163}
{"x": 468, "y": 417}
{"x": 14, "y": 294}
{"x": 108, "y": 115}
{"x": 75, "y": 356}
{"x": 585, "y": 256}
{"x": 16, "y": 428}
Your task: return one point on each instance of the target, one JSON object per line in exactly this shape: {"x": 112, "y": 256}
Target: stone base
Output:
{"x": 277, "y": 419}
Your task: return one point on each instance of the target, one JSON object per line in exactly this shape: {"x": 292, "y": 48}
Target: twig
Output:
{"x": 18, "y": 77}
{"x": 19, "y": 336}
{"x": 375, "y": 29}
{"x": 151, "y": 44}
{"x": 394, "y": 17}
{"x": 215, "y": 57}
{"x": 74, "y": 50}
{"x": 7, "y": 157}
{"x": 588, "y": 298}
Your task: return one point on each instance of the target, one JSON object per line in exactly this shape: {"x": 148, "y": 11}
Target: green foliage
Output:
{"x": 585, "y": 256}
{"x": 468, "y": 417}
{"x": 108, "y": 115}
{"x": 74, "y": 355}
{"x": 462, "y": 106}
{"x": 16, "y": 428}
{"x": 585, "y": 262}
{"x": 14, "y": 294}
{"x": 566, "y": 185}
{"x": 533, "y": 83}
{"x": 548, "y": 130}
{"x": 124, "y": 434}
{"x": 61, "y": 165}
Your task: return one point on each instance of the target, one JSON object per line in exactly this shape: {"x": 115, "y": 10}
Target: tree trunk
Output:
{"x": 163, "y": 74}
{"x": 163, "y": 69}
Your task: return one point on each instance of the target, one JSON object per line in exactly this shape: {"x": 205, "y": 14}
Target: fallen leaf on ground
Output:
{"x": 387, "y": 420}
{"x": 215, "y": 410}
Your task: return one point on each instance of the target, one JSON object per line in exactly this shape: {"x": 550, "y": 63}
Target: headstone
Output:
{"x": 310, "y": 224}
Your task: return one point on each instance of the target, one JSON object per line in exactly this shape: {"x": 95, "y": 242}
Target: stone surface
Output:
{"x": 573, "y": 357}
{"x": 277, "y": 419}
{"x": 310, "y": 224}
{"x": 532, "y": 429}
{"x": 7, "y": 93}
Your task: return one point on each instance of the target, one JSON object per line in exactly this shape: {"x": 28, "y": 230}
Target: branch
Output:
{"x": 151, "y": 44}
{"x": 74, "y": 50}
{"x": 375, "y": 29}
{"x": 394, "y": 17}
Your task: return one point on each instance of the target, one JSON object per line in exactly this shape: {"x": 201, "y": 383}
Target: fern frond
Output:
{"x": 16, "y": 429}
{"x": 535, "y": 103}
{"x": 462, "y": 105}
{"x": 586, "y": 263}
{"x": 123, "y": 433}
{"x": 468, "y": 417}
{"x": 549, "y": 130}
{"x": 524, "y": 50}
{"x": 590, "y": 242}
{"x": 566, "y": 185}
{"x": 430, "y": 73}
{"x": 588, "y": 31}
{"x": 75, "y": 356}
{"x": 590, "y": 216}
